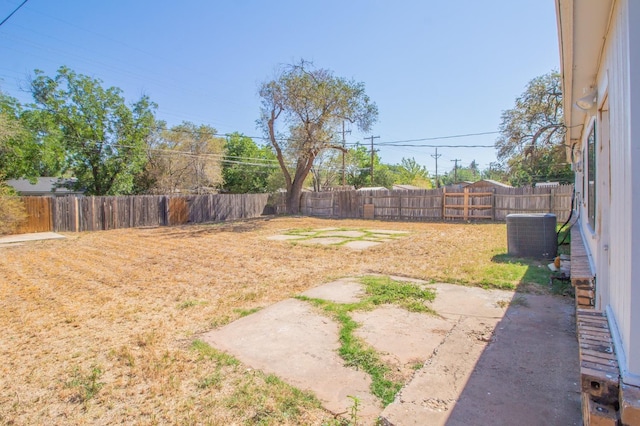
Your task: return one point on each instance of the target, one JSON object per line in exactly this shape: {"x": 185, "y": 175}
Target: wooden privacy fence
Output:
{"x": 439, "y": 204}
{"x": 79, "y": 213}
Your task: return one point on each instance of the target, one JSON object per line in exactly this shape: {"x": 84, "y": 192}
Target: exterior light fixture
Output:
{"x": 588, "y": 101}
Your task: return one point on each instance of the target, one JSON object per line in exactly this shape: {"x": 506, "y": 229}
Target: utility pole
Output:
{"x": 436, "y": 156}
{"x": 372, "y": 154}
{"x": 455, "y": 170}
{"x": 344, "y": 143}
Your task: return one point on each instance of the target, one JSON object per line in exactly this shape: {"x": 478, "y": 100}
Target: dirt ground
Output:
{"x": 99, "y": 328}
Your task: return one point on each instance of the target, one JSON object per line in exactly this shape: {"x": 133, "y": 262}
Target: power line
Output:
{"x": 435, "y": 138}
{"x": 14, "y": 11}
{"x": 387, "y": 144}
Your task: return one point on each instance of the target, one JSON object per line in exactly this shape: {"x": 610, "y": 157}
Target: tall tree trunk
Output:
{"x": 293, "y": 197}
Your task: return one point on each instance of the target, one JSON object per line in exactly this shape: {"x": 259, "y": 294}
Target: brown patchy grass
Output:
{"x": 100, "y": 328}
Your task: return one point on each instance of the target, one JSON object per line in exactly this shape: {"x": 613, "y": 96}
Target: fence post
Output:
{"x": 466, "y": 204}
{"x": 493, "y": 204}
{"x": 552, "y": 196}
{"x": 444, "y": 202}
{"x": 76, "y": 213}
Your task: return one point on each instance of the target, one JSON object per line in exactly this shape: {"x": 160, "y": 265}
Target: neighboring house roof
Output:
{"x": 487, "y": 183}
{"x": 44, "y": 186}
{"x": 372, "y": 188}
{"x": 547, "y": 184}
{"x": 406, "y": 187}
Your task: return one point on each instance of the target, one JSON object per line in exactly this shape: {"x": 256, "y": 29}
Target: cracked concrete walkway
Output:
{"x": 483, "y": 363}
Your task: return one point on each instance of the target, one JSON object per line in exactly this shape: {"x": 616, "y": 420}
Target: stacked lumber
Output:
{"x": 599, "y": 371}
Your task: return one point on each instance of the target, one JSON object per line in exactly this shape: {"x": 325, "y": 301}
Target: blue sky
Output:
{"x": 433, "y": 68}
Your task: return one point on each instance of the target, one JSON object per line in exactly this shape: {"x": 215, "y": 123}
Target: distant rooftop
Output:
{"x": 44, "y": 186}
{"x": 403, "y": 187}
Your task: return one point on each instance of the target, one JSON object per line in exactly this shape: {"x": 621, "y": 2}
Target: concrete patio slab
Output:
{"x": 387, "y": 231}
{"x": 469, "y": 301}
{"x": 323, "y": 241}
{"x": 523, "y": 370}
{"x": 19, "y": 238}
{"x": 483, "y": 363}
{"x": 408, "y": 337}
{"x": 292, "y": 340}
{"x": 360, "y": 244}
{"x": 345, "y": 290}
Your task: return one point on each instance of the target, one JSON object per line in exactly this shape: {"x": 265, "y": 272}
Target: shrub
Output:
{"x": 12, "y": 211}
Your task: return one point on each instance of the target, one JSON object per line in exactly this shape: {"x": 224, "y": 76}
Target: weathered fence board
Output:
{"x": 437, "y": 204}
{"x": 39, "y": 218}
{"x": 79, "y": 213}
{"x": 178, "y": 211}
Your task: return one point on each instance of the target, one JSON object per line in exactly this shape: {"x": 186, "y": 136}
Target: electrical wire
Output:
{"x": 435, "y": 138}
{"x": 14, "y": 11}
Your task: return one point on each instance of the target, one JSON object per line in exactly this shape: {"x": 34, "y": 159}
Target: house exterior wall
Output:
{"x": 614, "y": 240}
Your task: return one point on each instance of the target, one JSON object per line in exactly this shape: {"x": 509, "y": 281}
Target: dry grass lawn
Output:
{"x": 100, "y": 328}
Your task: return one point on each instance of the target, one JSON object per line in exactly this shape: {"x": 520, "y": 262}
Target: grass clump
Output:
{"x": 205, "y": 351}
{"x": 246, "y": 312}
{"x": 407, "y": 295}
{"x": 190, "y": 304}
{"x": 264, "y": 399}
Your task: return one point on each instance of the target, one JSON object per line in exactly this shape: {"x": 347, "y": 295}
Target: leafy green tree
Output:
{"x": 462, "y": 174}
{"x": 531, "y": 140}
{"x": 44, "y": 144}
{"x": 104, "y": 139}
{"x": 30, "y": 144}
{"x": 247, "y": 166}
{"x": 474, "y": 168}
{"x": 409, "y": 172}
{"x": 302, "y": 110}
{"x": 12, "y": 134}
{"x": 358, "y": 169}
{"x": 495, "y": 171}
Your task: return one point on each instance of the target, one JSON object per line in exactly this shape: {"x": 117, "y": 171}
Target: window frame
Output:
{"x": 590, "y": 175}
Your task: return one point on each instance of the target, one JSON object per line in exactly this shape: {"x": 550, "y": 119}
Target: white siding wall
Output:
{"x": 632, "y": 292}
{"x": 621, "y": 54}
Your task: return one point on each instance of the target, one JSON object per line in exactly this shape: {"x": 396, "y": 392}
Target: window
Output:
{"x": 591, "y": 177}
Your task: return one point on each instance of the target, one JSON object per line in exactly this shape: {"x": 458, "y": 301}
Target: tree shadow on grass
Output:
{"x": 197, "y": 230}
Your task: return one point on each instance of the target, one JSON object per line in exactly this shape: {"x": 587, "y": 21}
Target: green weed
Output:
{"x": 269, "y": 400}
{"x": 383, "y": 290}
{"x": 246, "y": 312}
{"x": 205, "y": 351}
{"x": 87, "y": 384}
{"x": 355, "y": 353}
{"x": 214, "y": 380}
